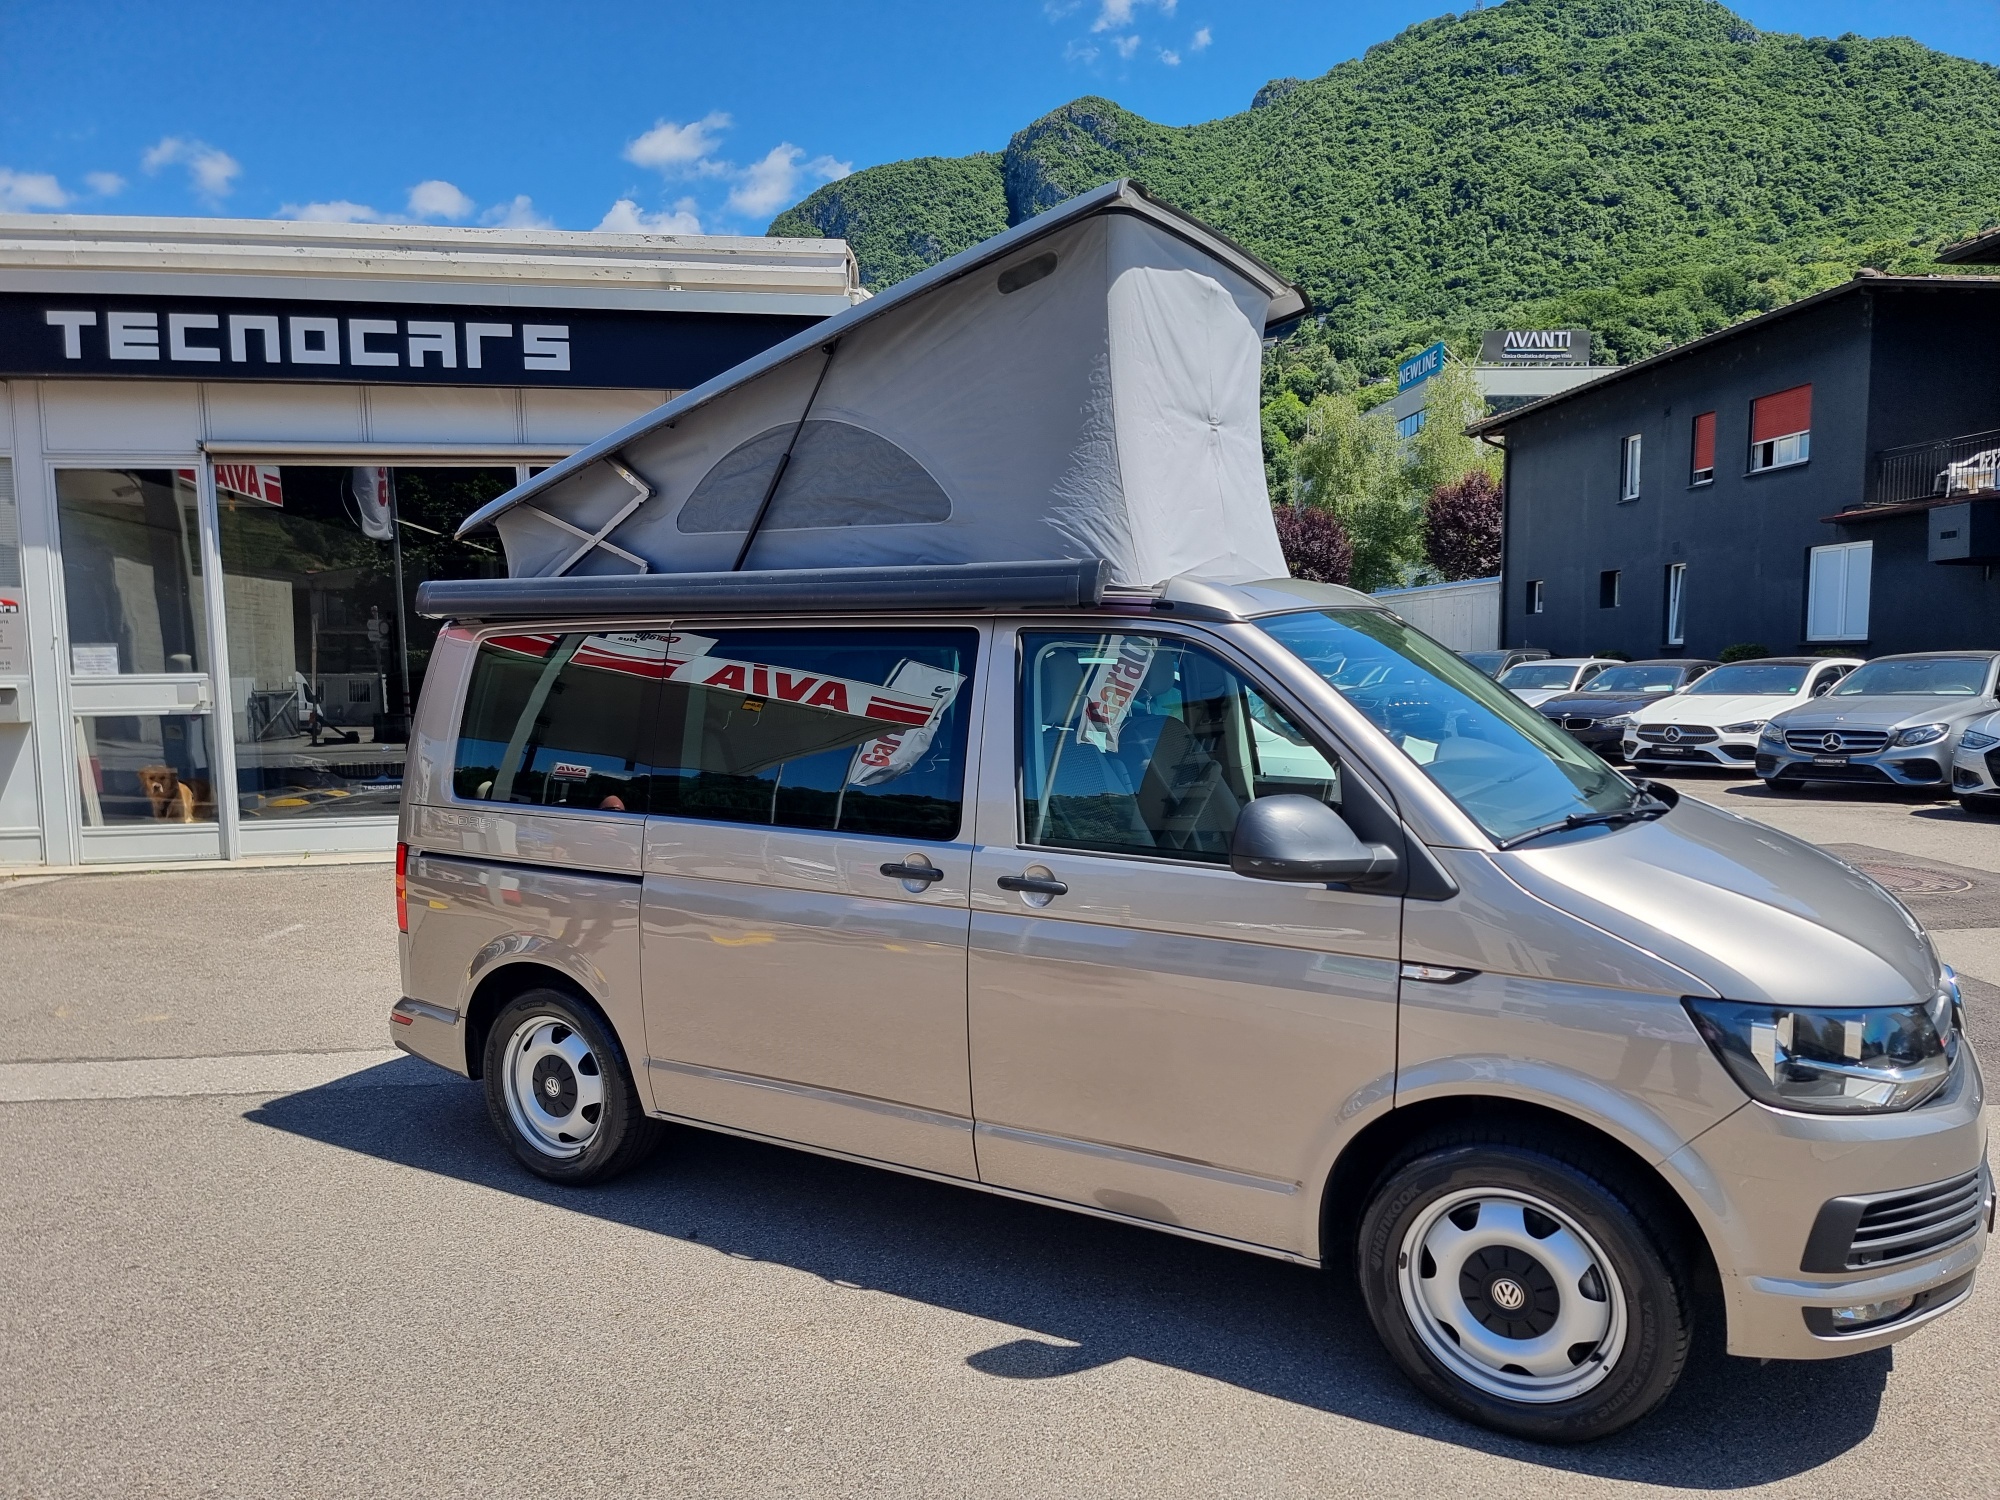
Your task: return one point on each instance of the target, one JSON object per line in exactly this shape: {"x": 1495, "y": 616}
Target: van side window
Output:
{"x": 1136, "y": 744}
{"x": 850, "y": 731}
{"x": 558, "y": 720}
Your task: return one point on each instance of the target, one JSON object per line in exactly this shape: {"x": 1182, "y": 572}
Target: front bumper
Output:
{"x": 1760, "y": 1179}
{"x": 1915, "y": 765}
{"x": 432, "y": 1032}
{"x": 1976, "y": 774}
{"x": 1735, "y": 752}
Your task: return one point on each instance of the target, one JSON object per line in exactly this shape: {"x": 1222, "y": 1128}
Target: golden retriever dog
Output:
{"x": 175, "y": 800}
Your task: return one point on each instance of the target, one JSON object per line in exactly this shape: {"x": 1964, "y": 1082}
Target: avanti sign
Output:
{"x": 1536, "y": 346}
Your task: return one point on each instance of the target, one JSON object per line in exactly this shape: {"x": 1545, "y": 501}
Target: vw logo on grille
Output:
{"x": 1673, "y": 734}
{"x": 1830, "y": 742}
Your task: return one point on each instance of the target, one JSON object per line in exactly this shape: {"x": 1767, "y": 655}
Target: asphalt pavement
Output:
{"x": 249, "y": 1252}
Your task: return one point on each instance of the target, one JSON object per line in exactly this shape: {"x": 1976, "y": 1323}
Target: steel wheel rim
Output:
{"x": 1511, "y": 1295}
{"x": 554, "y": 1087}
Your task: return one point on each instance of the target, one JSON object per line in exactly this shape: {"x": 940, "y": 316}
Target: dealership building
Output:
{"x": 230, "y": 451}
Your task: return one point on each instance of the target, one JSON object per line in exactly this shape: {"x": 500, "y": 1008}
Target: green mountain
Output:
{"x": 1648, "y": 169}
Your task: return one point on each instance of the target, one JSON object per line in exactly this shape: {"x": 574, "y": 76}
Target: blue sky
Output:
{"x": 665, "y": 117}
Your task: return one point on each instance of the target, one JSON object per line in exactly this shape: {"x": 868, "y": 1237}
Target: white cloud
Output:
{"x": 30, "y": 192}
{"x": 1079, "y": 52}
{"x": 1113, "y": 15}
{"x": 1201, "y": 40}
{"x": 212, "y": 172}
{"x": 1125, "y": 46}
{"x": 104, "y": 184}
{"x": 626, "y": 217}
{"x": 337, "y": 211}
{"x": 517, "y": 214}
{"x": 438, "y": 199}
{"x": 772, "y": 182}
{"x": 1170, "y": 57}
{"x": 681, "y": 150}
{"x": 1055, "y": 10}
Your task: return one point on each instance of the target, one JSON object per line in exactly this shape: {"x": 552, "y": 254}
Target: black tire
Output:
{"x": 1645, "y": 1302}
{"x": 546, "y": 1042}
{"x": 1980, "y": 805}
{"x": 1784, "y": 786}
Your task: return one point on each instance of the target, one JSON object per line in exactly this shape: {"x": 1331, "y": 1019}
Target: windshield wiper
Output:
{"x": 1638, "y": 810}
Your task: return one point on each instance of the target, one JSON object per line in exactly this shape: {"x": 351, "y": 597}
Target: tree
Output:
{"x": 1346, "y": 463}
{"x": 1315, "y": 543}
{"x": 1441, "y": 453}
{"x": 1462, "y": 527}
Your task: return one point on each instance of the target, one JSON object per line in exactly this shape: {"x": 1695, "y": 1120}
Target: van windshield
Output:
{"x": 1506, "y": 765}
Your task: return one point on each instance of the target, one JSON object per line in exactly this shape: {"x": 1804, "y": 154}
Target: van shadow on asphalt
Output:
{"x": 1088, "y": 1292}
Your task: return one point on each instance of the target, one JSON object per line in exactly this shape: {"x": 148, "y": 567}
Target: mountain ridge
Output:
{"x": 1649, "y": 169}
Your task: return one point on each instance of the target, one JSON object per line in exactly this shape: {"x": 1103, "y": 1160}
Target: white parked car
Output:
{"x": 1716, "y": 721}
{"x": 1535, "y": 682}
{"x": 1975, "y": 767}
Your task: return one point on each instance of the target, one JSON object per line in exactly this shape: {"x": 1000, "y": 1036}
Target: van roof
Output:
{"x": 1068, "y": 584}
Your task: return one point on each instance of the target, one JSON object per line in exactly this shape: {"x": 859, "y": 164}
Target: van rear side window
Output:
{"x": 560, "y": 721}
{"x": 851, "y": 731}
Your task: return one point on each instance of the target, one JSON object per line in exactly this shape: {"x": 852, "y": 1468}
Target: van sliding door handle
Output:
{"x": 925, "y": 873}
{"x": 1034, "y": 885}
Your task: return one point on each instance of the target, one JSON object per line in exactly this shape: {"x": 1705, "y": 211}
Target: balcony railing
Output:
{"x": 1968, "y": 465}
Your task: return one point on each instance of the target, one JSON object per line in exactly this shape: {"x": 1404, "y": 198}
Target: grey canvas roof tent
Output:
{"x": 1083, "y": 386}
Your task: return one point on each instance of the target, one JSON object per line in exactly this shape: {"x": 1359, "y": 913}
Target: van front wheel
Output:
{"x": 1522, "y": 1291}
{"x": 559, "y": 1093}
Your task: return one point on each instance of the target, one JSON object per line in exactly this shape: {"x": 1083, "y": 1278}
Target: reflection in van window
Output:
{"x": 1141, "y": 744}
{"x": 852, "y": 731}
{"x": 557, "y": 721}
{"x": 1506, "y": 765}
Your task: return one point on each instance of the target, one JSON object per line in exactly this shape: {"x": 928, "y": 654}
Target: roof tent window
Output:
{"x": 1703, "y": 467}
{"x": 840, "y": 475}
{"x": 1781, "y": 429}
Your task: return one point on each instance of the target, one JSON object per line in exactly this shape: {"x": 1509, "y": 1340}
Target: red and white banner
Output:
{"x": 259, "y": 482}
{"x": 888, "y": 756}
{"x": 1107, "y": 701}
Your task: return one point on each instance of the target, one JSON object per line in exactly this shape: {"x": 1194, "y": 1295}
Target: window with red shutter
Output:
{"x": 1781, "y": 428}
{"x": 1704, "y": 448}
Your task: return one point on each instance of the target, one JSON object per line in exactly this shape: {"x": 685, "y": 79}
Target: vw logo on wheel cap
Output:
{"x": 1830, "y": 741}
{"x": 1673, "y": 734}
{"x": 1508, "y": 1294}
{"x": 552, "y": 1085}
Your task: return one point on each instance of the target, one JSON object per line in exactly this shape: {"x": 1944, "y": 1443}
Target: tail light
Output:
{"x": 402, "y": 887}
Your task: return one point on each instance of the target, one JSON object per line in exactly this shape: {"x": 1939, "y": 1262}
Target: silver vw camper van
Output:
{"x": 1242, "y": 912}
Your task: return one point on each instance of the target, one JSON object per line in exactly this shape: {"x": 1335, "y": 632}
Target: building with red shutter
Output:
{"x": 1823, "y": 477}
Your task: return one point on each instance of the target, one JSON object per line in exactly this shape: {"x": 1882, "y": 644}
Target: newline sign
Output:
{"x": 209, "y": 339}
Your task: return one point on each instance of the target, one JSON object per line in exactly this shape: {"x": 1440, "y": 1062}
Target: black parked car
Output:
{"x": 1493, "y": 663}
{"x": 1595, "y": 714}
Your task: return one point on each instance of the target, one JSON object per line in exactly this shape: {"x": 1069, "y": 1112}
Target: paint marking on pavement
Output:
{"x": 192, "y": 1077}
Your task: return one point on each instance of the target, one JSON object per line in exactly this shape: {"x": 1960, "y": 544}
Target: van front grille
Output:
{"x": 1880, "y": 1229}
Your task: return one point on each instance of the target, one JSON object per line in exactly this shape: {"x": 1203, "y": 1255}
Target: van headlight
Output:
{"x": 1922, "y": 734}
{"x": 1748, "y": 726}
{"x": 1832, "y": 1061}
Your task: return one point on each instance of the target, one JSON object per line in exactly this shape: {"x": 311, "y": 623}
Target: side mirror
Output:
{"x": 1297, "y": 838}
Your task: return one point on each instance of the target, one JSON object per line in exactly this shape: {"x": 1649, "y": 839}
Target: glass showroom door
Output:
{"x": 141, "y": 698}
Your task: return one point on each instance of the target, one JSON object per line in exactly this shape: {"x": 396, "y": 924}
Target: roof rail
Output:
{"x": 1066, "y": 583}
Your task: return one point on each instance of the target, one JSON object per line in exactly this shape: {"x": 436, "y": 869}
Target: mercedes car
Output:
{"x": 1716, "y": 721}
{"x": 1597, "y": 713}
{"x": 1895, "y": 722}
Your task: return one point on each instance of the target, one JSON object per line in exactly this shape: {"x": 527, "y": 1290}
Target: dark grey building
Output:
{"x": 1823, "y": 476}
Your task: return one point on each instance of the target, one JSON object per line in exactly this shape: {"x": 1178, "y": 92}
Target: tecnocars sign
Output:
{"x": 389, "y": 343}
{"x": 1536, "y": 346}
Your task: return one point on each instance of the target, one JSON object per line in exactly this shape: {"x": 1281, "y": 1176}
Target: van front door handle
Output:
{"x": 925, "y": 873}
{"x": 1034, "y": 885}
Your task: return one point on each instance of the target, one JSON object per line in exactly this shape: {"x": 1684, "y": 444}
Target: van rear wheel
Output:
{"x": 559, "y": 1092}
{"x": 1522, "y": 1291}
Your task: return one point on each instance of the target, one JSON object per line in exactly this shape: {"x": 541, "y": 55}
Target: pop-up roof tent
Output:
{"x": 1083, "y": 386}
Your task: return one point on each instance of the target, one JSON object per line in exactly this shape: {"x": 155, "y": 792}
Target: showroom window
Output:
{"x": 326, "y": 656}
{"x": 1837, "y": 586}
{"x": 1781, "y": 429}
